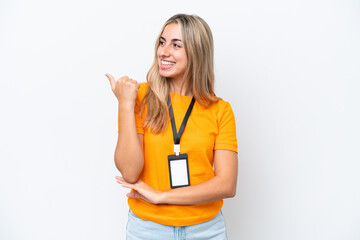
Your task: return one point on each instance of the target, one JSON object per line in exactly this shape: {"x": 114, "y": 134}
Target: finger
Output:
{"x": 118, "y": 178}
{"x": 123, "y": 79}
{"x": 135, "y": 82}
{"x": 131, "y": 81}
{"x": 126, "y": 184}
{"x": 121, "y": 181}
{"x": 112, "y": 80}
{"x": 134, "y": 195}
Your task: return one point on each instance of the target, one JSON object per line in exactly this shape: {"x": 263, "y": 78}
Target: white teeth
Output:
{"x": 167, "y": 63}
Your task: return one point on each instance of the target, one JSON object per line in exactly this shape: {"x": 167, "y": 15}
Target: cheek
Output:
{"x": 183, "y": 60}
{"x": 158, "y": 52}
{"x": 181, "y": 57}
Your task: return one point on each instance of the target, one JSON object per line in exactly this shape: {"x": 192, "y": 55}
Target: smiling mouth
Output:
{"x": 166, "y": 64}
{"x": 163, "y": 62}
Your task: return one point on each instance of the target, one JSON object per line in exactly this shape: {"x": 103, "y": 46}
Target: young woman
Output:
{"x": 177, "y": 147}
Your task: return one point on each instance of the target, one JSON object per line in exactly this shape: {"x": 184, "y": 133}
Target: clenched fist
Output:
{"x": 125, "y": 90}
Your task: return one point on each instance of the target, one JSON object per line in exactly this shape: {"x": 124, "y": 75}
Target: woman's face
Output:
{"x": 171, "y": 53}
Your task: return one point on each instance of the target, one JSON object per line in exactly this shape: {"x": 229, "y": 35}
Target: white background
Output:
{"x": 290, "y": 70}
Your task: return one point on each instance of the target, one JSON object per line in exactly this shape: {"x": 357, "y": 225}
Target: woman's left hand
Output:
{"x": 143, "y": 191}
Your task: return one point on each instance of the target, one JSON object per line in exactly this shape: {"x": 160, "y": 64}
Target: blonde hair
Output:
{"x": 199, "y": 48}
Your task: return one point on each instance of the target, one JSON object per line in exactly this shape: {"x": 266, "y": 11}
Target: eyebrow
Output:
{"x": 173, "y": 40}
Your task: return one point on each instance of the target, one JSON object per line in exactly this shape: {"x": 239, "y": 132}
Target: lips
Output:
{"x": 166, "y": 64}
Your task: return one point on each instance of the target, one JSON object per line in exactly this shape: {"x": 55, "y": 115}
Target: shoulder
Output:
{"x": 221, "y": 106}
{"x": 217, "y": 110}
{"x": 224, "y": 109}
{"x": 222, "y": 103}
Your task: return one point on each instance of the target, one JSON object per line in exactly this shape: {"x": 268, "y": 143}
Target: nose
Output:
{"x": 164, "y": 50}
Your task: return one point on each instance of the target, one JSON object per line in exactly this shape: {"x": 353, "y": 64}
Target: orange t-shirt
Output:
{"x": 207, "y": 129}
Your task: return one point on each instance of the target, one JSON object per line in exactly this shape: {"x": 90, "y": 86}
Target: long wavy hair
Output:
{"x": 199, "y": 48}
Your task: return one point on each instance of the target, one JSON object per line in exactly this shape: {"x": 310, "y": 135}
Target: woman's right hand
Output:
{"x": 125, "y": 90}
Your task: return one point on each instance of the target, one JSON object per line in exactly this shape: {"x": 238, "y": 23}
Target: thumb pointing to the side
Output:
{"x": 112, "y": 81}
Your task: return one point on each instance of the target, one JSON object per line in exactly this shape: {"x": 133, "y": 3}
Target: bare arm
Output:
{"x": 128, "y": 157}
{"x": 222, "y": 185}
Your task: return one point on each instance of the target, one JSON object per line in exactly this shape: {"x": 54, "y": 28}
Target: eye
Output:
{"x": 162, "y": 42}
{"x": 176, "y": 45}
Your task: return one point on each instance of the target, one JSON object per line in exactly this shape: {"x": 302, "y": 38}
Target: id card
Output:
{"x": 179, "y": 170}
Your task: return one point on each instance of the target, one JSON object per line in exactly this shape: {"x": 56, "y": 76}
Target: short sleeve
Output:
{"x": 226, "y": 137}
{"x": 139, "y": 118}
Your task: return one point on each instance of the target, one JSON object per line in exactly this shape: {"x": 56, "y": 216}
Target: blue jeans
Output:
{"x": 138, "y": 229}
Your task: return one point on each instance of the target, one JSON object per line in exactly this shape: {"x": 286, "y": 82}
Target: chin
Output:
{"x": 167, "y": 75}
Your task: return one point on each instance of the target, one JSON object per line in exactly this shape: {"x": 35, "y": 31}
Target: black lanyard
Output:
{"x": 177, "y": 136}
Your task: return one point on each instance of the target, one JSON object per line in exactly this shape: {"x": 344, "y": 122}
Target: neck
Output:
{"x": 177, "y": 87}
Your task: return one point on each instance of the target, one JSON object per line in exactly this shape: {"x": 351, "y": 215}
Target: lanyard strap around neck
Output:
{"x": 176, "y": 135}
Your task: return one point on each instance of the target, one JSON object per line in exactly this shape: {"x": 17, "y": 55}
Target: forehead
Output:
{"x": 171, "y": 31}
